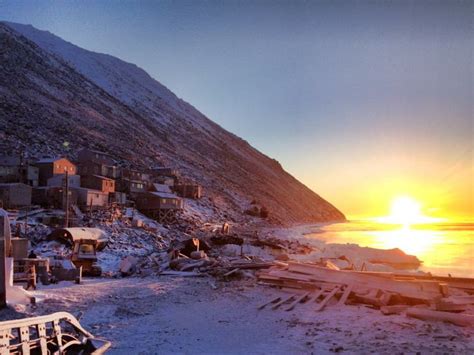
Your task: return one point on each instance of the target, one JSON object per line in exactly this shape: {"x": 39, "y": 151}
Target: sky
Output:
{"x": 362, "y": 101}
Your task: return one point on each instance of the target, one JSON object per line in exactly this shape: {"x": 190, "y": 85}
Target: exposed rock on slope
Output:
{"x": 52, "y": 91}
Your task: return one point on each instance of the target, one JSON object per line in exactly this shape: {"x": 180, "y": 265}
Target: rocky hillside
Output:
{"x": 53, "y": 92}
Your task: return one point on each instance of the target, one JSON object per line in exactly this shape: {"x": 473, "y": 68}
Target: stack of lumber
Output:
{"x": 420, "y": 296}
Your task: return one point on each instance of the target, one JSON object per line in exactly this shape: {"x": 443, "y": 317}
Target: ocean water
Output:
{"x": 444, "y": 248}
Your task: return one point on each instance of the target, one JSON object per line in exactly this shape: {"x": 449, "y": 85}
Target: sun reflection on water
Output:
{"x": 444, "y": 248}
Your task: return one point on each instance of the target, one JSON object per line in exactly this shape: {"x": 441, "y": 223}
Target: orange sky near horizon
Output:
{"x": 360, "y": 188}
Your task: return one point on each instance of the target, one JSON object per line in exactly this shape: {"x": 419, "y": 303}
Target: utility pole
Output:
{"x": 66, "y": 222}
{"x": 26, "y": 221}
{"x": 5, "y": 241}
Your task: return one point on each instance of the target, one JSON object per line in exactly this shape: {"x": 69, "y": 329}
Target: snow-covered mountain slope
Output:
{"x": 52, "y": 91}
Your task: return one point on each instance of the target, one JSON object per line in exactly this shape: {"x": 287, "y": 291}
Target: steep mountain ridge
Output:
{"x": 52, "y": 91}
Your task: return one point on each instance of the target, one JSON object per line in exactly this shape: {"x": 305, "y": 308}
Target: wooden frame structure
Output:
{"x": 57, "y": 333}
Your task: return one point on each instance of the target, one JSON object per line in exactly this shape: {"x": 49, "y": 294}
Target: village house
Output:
{"x": 92, "y": 162}
{"x": 161, "y": 206}
{"x": 16, "y": 169}
{"x": 60, "y": 181}
{"x": 95, "y": 156}
{"x": 131, "y": 182}
{"x": 159, "y": 202}
{"x": 193, "y": 191}
{"x": 15, "y": 195}
{"x": 164, "y": 171}
{"x": 98, "y": 182}
{"x": 89, "y": 198}
{"x": 49, "y": 167}
{"x": 53, "y": 197}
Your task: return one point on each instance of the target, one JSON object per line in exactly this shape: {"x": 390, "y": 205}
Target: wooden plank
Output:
{"x": 396, "y": 309}
{"x": 466, "y": 283}
{"x": 274, "y": 300}
{"x": 320, "y": 306}
{"x": 425, "y": 290}
{"x": 461, "y": 299}
{"x": 298, "y": 300}
{"x": 231, "y": 272}
{"x": 463, "y": 320}
{"x": 442, "y": 305}
{"x": 345, "y": 295}
{"x": 284, "y": 300}
{"x": 316, "y": 296}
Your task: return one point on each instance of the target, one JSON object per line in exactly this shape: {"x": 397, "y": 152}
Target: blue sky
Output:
{"x": 357, "y": 99}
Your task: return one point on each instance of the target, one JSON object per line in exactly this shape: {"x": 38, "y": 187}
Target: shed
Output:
{"x": 15, "y": 195}
{"x": 189, "y": 190}
{"x": 88, "y": 197}
{"x": 159, "y": 205}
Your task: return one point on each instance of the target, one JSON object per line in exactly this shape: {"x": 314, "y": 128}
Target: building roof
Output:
{"x": 96, "y": 152}
{"x": 10, "y": 160}
{"x": 161, "y": 188}
{"x": 9, "y": 184}
{"x": 89, "y": 190}
{"x": 102, "y": 177}
{"x": 164, "y": 195}
{"x": 48, "y": 160}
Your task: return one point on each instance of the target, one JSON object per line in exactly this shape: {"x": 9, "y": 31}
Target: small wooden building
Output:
{"x": 16, "y": 169}
{"x": 95, "y": 156}
{"x": 15, "y": 195}
{"x": 94, "y": 168}
{"x": 87, "y": 198}
{"x": 164, "y": 171}
{"x": 117, "y": 197}
{"x": 189, "y": 190}
{"x": 49, "y": 167}
{"x": 131, "y": 182}
{"x": 9, "y": 169}
{"x": 60, "y": 180}
{"x": 53, "y": 196}
{"x": 161, "y": 206}
{"x": 98, "y": 182}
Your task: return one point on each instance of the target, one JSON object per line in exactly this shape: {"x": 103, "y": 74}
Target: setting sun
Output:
{"x": 406, "y": 210}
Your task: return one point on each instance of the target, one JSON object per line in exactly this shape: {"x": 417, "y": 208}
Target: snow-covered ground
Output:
{"x": 189, "y": 316}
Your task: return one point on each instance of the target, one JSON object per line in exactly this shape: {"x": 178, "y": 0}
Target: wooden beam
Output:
{"x": 278, "y": 304}
{"x": 316, "y": 296}
{"x": 425, "y": 290}
{"x": 298, "y": 300}
{"x": 463, "y": 320}
{"x": 345, "y": 295}
{"x": 396, "y": 309}
{"x": 274, "y": 300}
{"x": 323, "y": 303}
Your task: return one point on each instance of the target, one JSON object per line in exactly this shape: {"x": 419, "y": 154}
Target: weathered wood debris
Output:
{"x": 425, "y": 297}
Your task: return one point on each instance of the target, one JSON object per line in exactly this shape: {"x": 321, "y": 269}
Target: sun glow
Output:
{"x": 406, "y": 211}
